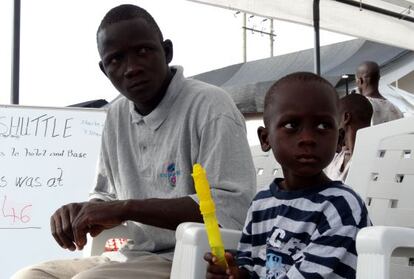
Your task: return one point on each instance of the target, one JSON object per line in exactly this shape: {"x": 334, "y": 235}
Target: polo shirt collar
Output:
{"x": 161, "y": 112}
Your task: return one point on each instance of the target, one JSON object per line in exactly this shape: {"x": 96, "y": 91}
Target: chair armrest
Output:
{"x": 191, "y": 245}
{"x": 375, "y": 246}
{"x": 96, "y": 245}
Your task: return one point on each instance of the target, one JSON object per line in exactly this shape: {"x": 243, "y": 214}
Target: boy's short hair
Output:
{"x": 128, "y": 12}
{"x": 291, "y": 78}
{"x": 359, "y": 107}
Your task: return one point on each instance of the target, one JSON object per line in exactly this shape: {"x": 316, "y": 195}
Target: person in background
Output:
{"x": 355, "y": 113}
{"x": 367, "y": 80}
{"x": 303, "y": 225}
{"x": 163, "y": 124}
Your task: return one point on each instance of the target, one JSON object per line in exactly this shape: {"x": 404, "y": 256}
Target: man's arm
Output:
{"x": 164, "y": 213}
{"x": 71, "y": 223}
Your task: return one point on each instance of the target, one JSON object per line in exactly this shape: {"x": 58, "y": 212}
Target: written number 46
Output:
{"x": 16, "y": 216}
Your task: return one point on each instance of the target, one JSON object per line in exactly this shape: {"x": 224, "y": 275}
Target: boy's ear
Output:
{"x": 102, "y": 68}
{"x": 168, "y": 49}
{"x": 264, "y": 138}
{"x": 347, "y": 117}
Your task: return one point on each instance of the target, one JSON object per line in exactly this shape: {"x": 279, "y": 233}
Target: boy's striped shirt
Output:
{"x": 302, "y": 234}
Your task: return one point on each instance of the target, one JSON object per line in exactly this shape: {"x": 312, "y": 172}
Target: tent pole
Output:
{"x": 375, "y": 9}
{"x": 317, "y": 54}
{"x": 244, "y": 38}
{"x": 15, "y": 75}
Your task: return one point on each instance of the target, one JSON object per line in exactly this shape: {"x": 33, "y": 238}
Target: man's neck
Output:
{"x": 145, "y": 109}
{"x": 373, "y": 93}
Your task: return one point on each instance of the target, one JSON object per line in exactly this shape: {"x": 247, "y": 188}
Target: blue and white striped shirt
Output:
{"x": 302, "y": 234}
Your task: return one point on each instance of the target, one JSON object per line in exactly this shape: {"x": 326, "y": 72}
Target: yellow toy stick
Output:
{"x": 208, "y": 211}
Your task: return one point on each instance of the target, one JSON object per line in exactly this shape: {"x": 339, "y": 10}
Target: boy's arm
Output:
{"x": 216, "y": 271}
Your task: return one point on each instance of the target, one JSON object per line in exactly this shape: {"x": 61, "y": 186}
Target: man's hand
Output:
{"x": 215, "y": 271}
{"x": 71, "y": 223}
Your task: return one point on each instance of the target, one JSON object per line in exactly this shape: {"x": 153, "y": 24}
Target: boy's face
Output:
{"x": 134, "y": 59}
{"x": 302, "y": 128}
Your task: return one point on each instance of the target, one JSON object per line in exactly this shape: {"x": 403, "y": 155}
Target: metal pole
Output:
{"x": 317, "y": 54}
{"x": 375, "y": 9}
{"x": 346, "y": 86}
{"x": 271, "y": 37}
{"x": 15, "y": 75}
{"x": 244, "y": 38}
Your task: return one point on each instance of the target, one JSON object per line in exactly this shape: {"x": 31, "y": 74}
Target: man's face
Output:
{"x": 303, "y": 127}
{"x": 134, "y": 59}
{"x": 360, "y": 82}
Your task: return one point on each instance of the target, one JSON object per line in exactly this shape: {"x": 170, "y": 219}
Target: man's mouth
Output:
{"x": 137, "y": 84}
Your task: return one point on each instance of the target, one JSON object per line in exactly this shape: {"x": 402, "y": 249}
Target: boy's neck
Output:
{"x": 292, "y": 182}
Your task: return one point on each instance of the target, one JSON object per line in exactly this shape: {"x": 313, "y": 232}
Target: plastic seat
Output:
{"x": 382, "y": 172}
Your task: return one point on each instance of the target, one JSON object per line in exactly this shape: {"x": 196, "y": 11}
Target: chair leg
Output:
{"x": 373, "y": 266}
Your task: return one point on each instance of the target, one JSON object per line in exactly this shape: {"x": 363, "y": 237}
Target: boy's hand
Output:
{"x": 215, "y": 271}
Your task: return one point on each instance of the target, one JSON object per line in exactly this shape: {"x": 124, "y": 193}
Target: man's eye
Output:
{"x": 112, "y": 61}
{"x": 143, "y": 51}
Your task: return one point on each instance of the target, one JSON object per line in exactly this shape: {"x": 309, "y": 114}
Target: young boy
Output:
{"x": 355, "y": 113}
{"x": 302, "y": 226}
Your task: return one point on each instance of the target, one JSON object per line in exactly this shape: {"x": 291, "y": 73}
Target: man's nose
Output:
{"x": 133, "y": 66}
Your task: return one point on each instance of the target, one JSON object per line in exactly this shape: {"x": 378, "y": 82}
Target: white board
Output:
{"x": 48, "y": 158}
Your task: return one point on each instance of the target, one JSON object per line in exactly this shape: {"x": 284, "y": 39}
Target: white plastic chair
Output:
{"x": 191, "y": 238}
{"x": 96, "y": 245}
{"x": 191, "y": 246}
{"x": 267, "y": 168}
{"x": 382, "y": 172}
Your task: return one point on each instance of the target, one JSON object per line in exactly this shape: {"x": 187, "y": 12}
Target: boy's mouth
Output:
{"x": 306, "y": 158}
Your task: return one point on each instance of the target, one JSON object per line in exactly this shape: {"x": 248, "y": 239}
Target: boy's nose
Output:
{"x": 307, "y": 137}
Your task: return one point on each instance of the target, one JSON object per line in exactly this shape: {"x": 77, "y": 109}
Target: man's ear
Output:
{"x": 264, "y": 138}
{"x": 168, "y": 49}
{"x": 102, "y": 68}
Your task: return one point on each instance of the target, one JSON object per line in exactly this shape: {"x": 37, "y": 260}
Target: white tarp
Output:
{"x": 336, "y": 17}
{"x": 403, "y": 99}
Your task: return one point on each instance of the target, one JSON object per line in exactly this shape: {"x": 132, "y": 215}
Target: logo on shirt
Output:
{"x": 171, "y": 174}
{"x": 282, "y": 251}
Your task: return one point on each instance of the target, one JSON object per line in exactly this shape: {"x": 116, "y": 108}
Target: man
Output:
{"x": 367, "y": 80}
{"x": 153, "y": 135}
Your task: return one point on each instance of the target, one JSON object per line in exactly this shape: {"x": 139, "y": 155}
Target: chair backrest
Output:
{"x": 382, "y": 172}
{"x": 267, "y": 168}
{"x": 191, "y": 246}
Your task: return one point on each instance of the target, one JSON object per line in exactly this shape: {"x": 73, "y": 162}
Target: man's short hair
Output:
{"x": 371, "y": 71}
{"x": 128, "y": 12}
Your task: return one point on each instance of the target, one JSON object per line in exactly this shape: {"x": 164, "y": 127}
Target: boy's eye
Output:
{"x": 290, "y": 125}
{"x": 323, "y": 126}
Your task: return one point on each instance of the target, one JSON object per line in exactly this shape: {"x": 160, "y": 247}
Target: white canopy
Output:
{"x": 339, "y": 16}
